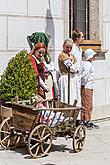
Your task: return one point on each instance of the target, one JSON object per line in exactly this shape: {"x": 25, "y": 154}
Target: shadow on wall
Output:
{"x": 50, "y": 29}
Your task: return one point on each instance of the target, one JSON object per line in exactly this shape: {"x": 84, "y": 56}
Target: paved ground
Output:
{"x": 96, "y": 151}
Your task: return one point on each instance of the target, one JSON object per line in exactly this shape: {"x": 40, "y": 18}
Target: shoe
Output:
{"x": 95, "y": 126}
{"x": 90, "y": 125}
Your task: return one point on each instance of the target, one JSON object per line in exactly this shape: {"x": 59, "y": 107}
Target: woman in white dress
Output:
{"x": 68, "y": 65}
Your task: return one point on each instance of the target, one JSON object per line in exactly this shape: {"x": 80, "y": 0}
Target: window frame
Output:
{"x": 72, "y": 17}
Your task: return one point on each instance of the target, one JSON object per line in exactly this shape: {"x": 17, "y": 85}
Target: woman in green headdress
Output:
{"x": 36, "y": 55}
{"x": 50, "y": 73}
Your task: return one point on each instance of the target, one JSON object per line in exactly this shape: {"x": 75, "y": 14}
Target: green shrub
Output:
{"x": 18, "y": 79}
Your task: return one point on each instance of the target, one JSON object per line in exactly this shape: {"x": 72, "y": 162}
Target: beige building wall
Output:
{"x": 102, "y": 67}
{"x": 94, "y": 19}
{"x": 19, "y": 18}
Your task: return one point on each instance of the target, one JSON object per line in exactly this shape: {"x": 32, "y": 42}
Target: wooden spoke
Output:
{"x": 37, "y": 150}
{"x": 43, "y": 132}
{"x": 7, "y": 137}
{"x": 79, "y": 138}
{"x": 34, "y": 139}
{"x": 79, "y": 144}
{"x": 38, "y": 133}
{"x": 45, "y": 137}
{"x": 37, "y": 141}
{"x": 34, "y": 146}
{"x": 5, "y": 132}
{"x": 42, "y": 148}
{"x": 8, "y": 143}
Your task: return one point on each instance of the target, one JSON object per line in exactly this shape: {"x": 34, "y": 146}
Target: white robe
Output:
{"x": 74, "y": 89}
{"x": 77, "y": 52}
{"x": 74, "y": 84}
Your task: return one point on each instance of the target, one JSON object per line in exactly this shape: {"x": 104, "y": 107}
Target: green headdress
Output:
{"x": 38, "y": 37}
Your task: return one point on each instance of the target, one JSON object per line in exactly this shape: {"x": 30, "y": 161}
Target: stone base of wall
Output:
{"x": 101, "y": 112}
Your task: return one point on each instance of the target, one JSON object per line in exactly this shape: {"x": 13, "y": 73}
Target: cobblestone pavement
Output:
{"x": 96, "y": 151}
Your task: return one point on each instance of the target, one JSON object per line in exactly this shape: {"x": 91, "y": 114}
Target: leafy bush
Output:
{"x": 19, "y": 78}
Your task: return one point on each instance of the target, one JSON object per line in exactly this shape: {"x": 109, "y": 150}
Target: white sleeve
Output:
{"x": 78, "y": 67}
{"x": 73, "y": 51}
{"x": 73, "y": 67}
{"x": 85, "y": 74}
{"x": 50, "y": 67}
{"x": 42, "y": 83}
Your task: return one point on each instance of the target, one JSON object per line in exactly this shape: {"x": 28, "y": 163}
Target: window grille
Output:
{"x": 79, "y": 16}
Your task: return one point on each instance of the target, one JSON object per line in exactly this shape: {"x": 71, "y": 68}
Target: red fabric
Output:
{"x": 34, "y": 65}
{"x": 39, "y": 71}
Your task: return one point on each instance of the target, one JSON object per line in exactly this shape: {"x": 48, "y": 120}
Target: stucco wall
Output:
{"x": 102, "y": 67}
{"x": 94, "y": 19}
{"x": 19, "y": 18}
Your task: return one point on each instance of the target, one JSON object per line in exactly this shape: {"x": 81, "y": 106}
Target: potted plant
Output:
{"x": 18, "y": 79}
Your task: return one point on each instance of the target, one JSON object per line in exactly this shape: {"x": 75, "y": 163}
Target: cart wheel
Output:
{"x": 8, "y": 139}
{"x": 79, "y": 138}
{"x": 40, "y": 141}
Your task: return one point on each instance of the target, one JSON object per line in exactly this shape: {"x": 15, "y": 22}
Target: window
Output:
{"x": 79, "y": 16}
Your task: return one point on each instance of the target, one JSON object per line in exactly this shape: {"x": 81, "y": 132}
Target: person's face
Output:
{"x": 39, "y": 53}
{"x": 67, "y": 47}
{"x": 81, "y": 38}
{"x": 92, "y": 59}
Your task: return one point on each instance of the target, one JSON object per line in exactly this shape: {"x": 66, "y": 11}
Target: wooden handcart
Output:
{"x": 38, "y": 127}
